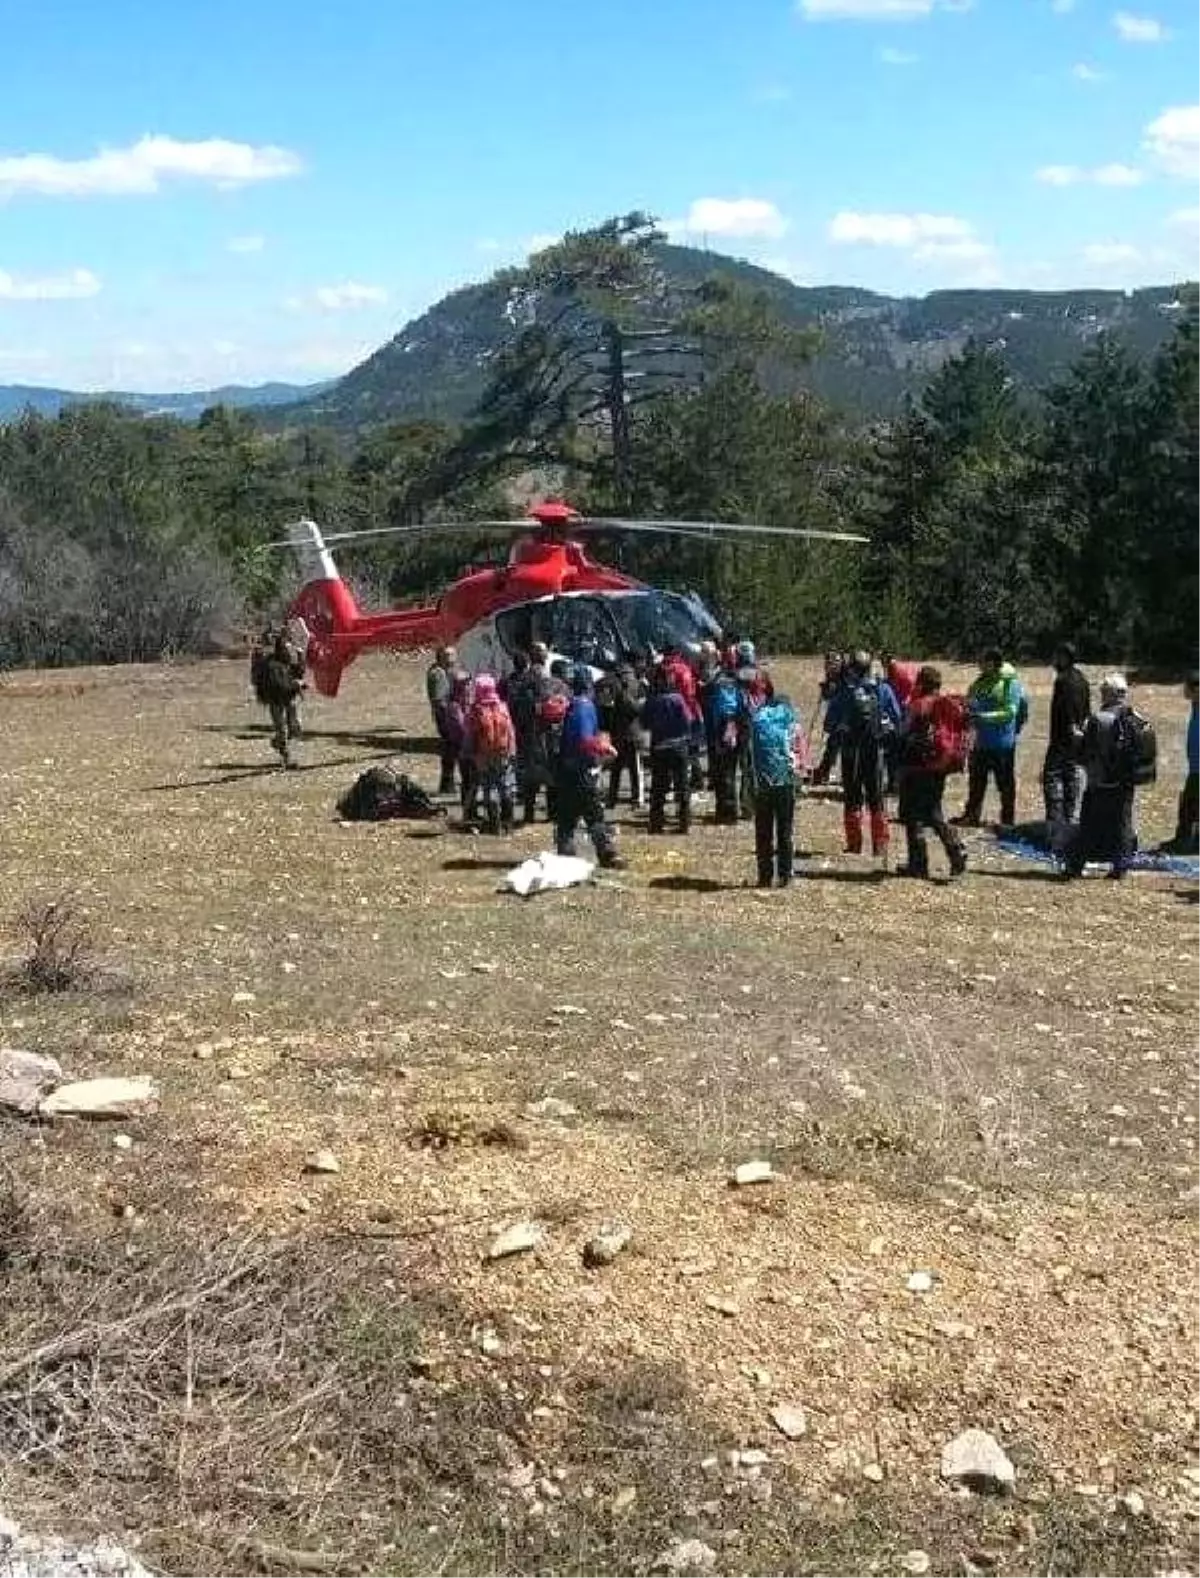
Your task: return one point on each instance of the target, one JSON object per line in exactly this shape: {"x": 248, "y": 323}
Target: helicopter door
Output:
{"x": 583, "y": 629}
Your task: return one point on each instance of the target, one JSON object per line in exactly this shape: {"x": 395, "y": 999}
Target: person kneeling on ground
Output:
{"x": 577, "y": 786}
{"x": 932, "y": 745}
{"x": 774, "y": 746}
{"x": 1111, "y": 753}
{"x": 490, "y": 746}
{"x": 669, "y": 725}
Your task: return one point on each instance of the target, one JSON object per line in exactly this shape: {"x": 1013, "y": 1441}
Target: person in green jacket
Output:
{"x": 999, "y": 711}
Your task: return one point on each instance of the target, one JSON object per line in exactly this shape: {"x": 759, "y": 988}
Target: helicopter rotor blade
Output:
{"x": 709, "y": 530}
{"x": 371, "y": 532}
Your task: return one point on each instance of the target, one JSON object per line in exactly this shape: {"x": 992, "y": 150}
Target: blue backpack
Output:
{"x": 725, "y": 703}
{"x": 771, "y": 730}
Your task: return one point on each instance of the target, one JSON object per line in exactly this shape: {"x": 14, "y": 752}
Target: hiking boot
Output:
{"x": 611, "y": 862}
{"x": 964, "y": 821}
{"x": 919, "y": 873}
{"x": 958, "y": 864}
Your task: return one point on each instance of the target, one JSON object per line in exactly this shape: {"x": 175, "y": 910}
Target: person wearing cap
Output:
{"x": 582, "y": 749}
{"x": 1105, "y": 830}
{"x": 1070, "y": 708}
{"x": 998, "y": 709}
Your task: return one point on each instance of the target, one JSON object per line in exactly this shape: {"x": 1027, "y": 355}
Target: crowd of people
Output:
{"x": 673, "y": 726}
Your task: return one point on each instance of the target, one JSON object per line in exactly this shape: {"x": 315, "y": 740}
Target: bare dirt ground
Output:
{"x": 247, "y": 1365}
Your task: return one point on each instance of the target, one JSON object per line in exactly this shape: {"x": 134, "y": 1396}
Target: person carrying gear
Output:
{"x": 619, "y": 698}
{"x": 752, "y": 689}
{"x": 862, "y": 713}
{"x": 439, "y": 682}
{"x": 555, "y": 699}
{"x": 524, "y": 692}
{"x": 279, "y": 682}
{"x": 1070, "y": 708}
{"x": 1112, "y": 760}
{"x": 999, "y": 710}
{"x": 684, "y": 678}
{"x": 669, "y": 727}
{"x": 774, "y": 746}
{"x": 454, "y": 721}
{"x": 1186, "y": 840}
{"x": 577, "y": 784}
{"x": 901, "y": 676}
{"x": 726, "y": 706}
{"x": 933, "y": 743}
{"x": 490, "y": 744}
{"x": 831, "y": 683}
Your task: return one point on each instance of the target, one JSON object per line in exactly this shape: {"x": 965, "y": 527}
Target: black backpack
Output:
{"x": 865, "y": 714}
{"x": 1137, "y": 748}
{"x": 379, "y": 795}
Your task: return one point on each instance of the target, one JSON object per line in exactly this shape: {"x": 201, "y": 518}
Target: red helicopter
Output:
{"x": 548, "y": 591}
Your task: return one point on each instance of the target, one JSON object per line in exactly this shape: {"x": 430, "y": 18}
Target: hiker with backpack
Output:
{"x": 1070, "y": 709}
{"x": 933, "y": 743}
{"x": 582, "y": 750}
{"x": 864, "y": 713}
{"x": 831, "y": 682}
{"x": 277, "y": 675}
{"x": 522, "y": 694}
{"x": 619, "y": 697}
{"x": 775, "y": 748}
{"x": 752, "y": 690}
{"x": 725, "y": 707}
{"x": 669, "y": 726}
{"x": 490, "y": 745}
{"x": 1119, "y": 756}
{"x": 999, "y": 711}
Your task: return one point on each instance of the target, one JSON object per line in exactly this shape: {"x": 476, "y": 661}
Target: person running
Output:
{"x": 933, "y": 743}
{"x": 863, "y": 712}
{"x": 1187, "y": 834}
{"x": 669, "y": 726}
{"x": 439, "y": 682}
{"x": 1105, "y": 832}
{"x": 490, "y": 744}
{"x": 774, "y": 745}
{"x": 577, "y": 786}
{"x": 998, "y": 711}
{"x": 1070, "y": 708}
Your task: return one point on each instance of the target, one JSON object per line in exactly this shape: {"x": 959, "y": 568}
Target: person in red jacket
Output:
{"x": 902, "y": 677}
{"x": 683, "y": 679}
{"x": 932, "y": 745}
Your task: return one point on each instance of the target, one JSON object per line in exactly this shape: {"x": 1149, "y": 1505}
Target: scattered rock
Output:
{"x": 920, "y": 1282}
{"x": 122, "y": 1142}
{"x": 29, "y": 1556}
{"x": 551, "y": 1107}
{"x": 977, "y": 1460}
{"x": 916, "y": 1562}
{"x": 607, "y": 1243}
{"x": 955, "y": 1328}
{"x": 25, "y": 1077}
{"x": 791, "y": 1420}
{"x": 723, "y": 1306}
{"x": 485, "y": 966}
{"x": 99, "y": 1098}
{"x": 571, "y": 1008}
{"x": 752, "y": 1457}
{"x": 1133, "y": 1503}
{"x": 515, "y": 1240}
{"x": 322, "y": 1162}
{"x": 624, "y": 1498}
{"x": 243, "y": 997}
{"x": 686, "y": 1556}
{"x": 753, "y": 1172}
{"x": 489, "y": 1342}
{"x": 873, "y": 1472}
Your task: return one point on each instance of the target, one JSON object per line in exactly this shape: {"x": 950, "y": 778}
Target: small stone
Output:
{"x": 753, "y": 1173}
{"x": 876, "y": 1247}
{"x": 204, "y": 1050}
{"x": 977, "y": 1460}
{"x": 1133, "y": 1503}
{"x": 571, "y": 1008}
{"x": 686, "y": 1556}
{"x": 655, "y": 1019}
{"x": 99, "y": 1098}
{"x": 873, "y": 1472}
{"x": 624, "y": 1498}
{"x": 920, "y": 1282}
{"x": 122, "y": 1142}
{"x": 916, "y": 1562}
{"x": 954, "y": 1329}
{"x": 25, "y": 1077}
{"x": 239, "y": 998}
{"x": 489, "y": 1342}
{"x": 607, "y": 1243}
{"x": 515, "y": 1240}
{"x": 723, "y": 1306}
{"x": 753, "y": 1457}
{"x": 485, "y": 966}
{"x": 303, "y": 1205}
{"x": 551, "y": 1107}
{"x": 791, "y": 1420}
{"x": 322, "y": 1162}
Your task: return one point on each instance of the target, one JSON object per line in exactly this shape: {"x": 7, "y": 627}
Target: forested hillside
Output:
{"x": 996, "y": 511}
{"x": 17, "y": 398}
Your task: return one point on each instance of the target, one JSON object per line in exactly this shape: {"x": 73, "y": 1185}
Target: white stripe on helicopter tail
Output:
{"x": 316, "y": 561}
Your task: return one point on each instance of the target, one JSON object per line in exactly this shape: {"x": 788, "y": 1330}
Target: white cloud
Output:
{"x": 1102, "y": 253}
{"x": 897, "y": 230}
{"x": 864, "y": 10}
{"x": 77, "y": 285}
{"x": 1082, "y": 72}
{"x": 1139, "y": 29}
{"x": 1174, "y": 140}
{"x": 1185, "y": 219}
{"x": 1101, "y": 175}
{"x": 730, "y": 216}
{"x": 898, "y": 57}
{"x": 245, "y": 244}
{"x": 968, "y": 249}
{"x": 143, "y": 167}
{"x": 347, "y": 297}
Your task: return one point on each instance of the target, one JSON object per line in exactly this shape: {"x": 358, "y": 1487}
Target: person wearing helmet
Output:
{"x": 1105, "y": 830}
{"x": 582, "y": 750}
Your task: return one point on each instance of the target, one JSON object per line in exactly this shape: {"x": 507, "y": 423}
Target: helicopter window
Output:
{"x": 583, "y": 629}
{"x": 515, "y": 629}
{"x": 656, "y": 620}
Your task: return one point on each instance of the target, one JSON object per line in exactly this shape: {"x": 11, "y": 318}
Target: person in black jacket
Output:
{"x": 669, "y": 726}
{"x": 1070, "y": 708}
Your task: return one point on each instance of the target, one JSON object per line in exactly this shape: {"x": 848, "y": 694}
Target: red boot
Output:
{"x": 852, "y": 824}
{"x": 880, "y": 832}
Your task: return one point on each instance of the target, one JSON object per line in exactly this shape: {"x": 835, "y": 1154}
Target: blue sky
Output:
{"x": 235, "y": 190}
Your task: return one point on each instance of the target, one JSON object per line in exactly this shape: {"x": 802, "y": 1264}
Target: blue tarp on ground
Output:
{"x": 1034, "y": 848}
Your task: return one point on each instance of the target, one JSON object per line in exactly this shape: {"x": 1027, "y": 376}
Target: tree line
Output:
{"x": 992, "y": 517}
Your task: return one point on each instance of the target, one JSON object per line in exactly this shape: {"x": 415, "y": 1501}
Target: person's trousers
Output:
{"x": 627, "y": 760}
{"x": 774, "y": 831}
{"x": 986, "y": 763}
{"x": 670, "y": 772}
{"x": 921, "y": 807}
{"x": 862, "y": 784}
{"x": 1189, "y": 808}
{"x": 447, "y": 754}
{"x": 724, "y": 782}
{"x": 1061, "y": 784}
{"x": 1105, "y": 831}
{"x": 577, "y": 799}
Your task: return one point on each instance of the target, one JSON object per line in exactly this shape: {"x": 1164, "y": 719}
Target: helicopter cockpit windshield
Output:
{"x": 603, "y": 630}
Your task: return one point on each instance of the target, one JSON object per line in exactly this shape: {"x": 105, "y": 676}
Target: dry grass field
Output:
{"x": 243, "y": 1365}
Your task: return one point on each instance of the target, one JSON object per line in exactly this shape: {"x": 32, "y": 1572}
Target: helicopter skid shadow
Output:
{"x": 685, "y": 884}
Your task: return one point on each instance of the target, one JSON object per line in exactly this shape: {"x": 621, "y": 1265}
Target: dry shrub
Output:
{"x": 60, "y": 947}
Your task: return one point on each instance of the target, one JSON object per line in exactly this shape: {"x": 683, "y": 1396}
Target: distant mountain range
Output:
{"x": 875, "y": 348}
{"x": 15, "y": 398}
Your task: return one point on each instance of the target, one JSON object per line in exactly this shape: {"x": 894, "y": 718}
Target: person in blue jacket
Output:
{"x": 581, "y": 751}
{"x": 999, "y": 711}
{"x": 669, "y": 726}
{"x": 862, "y": 716}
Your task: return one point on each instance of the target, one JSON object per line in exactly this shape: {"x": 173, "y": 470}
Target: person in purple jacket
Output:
{"x": 667, "y": 719}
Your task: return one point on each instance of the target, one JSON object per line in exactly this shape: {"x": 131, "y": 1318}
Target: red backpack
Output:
{"x": 951, "y": 721}
{"x": 491, "y": 731}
